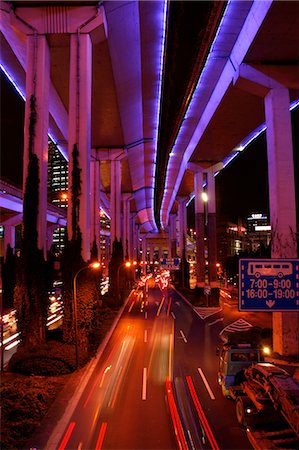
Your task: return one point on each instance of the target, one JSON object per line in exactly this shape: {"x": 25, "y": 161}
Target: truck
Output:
{"x": 267, "y": 404}
{"x": 234, "y": 358}
{"x": 266, "y": 396}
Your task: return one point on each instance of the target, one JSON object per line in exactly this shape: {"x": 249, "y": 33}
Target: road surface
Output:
{"x": 155, "y": 385}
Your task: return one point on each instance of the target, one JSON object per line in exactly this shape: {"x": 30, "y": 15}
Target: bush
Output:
{"x": 25, "y": 401}
{"x": 105, "y": 318}
{"x": 53, "y": 358}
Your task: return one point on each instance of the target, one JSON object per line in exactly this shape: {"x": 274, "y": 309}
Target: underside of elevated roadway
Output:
{"x": 202, "y": 115}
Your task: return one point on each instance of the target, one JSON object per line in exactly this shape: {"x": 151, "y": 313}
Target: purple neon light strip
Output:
{"x": 244, "y": 144}
{"x": 160, "y": 53}
{"x": 251, "y": 137}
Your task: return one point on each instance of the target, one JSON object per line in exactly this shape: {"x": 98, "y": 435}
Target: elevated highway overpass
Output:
{"x": 105, "y": 78}
{"x": 11, "y": 212}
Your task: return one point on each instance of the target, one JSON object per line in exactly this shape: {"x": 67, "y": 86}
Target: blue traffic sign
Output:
{"x": 170, "y": 263}
{"x": 269, "y": 284}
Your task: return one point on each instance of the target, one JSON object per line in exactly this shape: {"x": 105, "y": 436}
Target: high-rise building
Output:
{"x": 258, "y": 231}
{"x": 57, "y": 187}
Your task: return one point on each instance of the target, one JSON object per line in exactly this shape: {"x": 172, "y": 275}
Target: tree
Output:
{"x": 88, "y": 291}
{"x": 184, "y": 268}
{"x": 31, "y": 291}
{"x": 71, "y": 258}
{"x": 94, "y": 252}
{"x": 115, "y": 272}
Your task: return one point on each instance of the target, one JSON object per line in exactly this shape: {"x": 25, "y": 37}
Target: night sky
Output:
{"x": 12, "y": 132}
{"x": 241, "y": 188}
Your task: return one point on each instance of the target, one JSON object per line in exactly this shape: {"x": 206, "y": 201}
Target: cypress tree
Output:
{"x": 71, "y": 259}
{"x": 31, "y": 292}
{"x": 94, "y": 252}
{"x": 184, "y": 268}
{"x": 87, "y": 281}
{"x": 115, "y": 272}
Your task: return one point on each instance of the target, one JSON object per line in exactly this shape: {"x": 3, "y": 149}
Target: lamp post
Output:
{"x": 126, "y": 264}
{"x": 94, "y": 265}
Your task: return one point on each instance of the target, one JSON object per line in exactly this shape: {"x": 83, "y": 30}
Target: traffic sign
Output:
{"x": 207, "y": 290}
{"x": 269, "y": 284}
{"x": 170, "y": 263}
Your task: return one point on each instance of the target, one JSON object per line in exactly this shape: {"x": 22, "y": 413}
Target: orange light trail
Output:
{"x": 101, "y": 436}
{"x": 132, "y": 304}
{"x": 201, "y": 414}
{"x": 67, "y": 436}
{"x": 169, "y": 305}
{"x": 160, "y": 307}
{"x": 99, "y": 376}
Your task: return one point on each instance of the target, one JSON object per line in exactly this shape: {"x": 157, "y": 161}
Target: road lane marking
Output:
{"x": 101, "y": 436}
{"x": 206, "y": 383}
{"x": 173, "y": 315}
{"x": 145, "y": 315}
{"x": 145, "y": 335}
{"x": 144, "y": 375}
{"x": 215, "y": 321}
{"x": 67, "y": 436}
{"x": 183, "y": 337}
{"x": 191, "y": 440}
{"x": 130, "y": 309}
{"x": 201, "y": 414}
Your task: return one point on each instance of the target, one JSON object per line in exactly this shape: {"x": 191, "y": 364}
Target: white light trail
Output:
{"x": 144, "y": 377}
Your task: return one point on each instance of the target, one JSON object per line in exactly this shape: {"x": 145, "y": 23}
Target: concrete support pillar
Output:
{"x": 37, "y": 85}
{"x": 151, "y": 249}
{"x": 281, "y": 188}
{"x": 131, "y": 246}
{"x": 79, "y": 130}
{"x": 134, "y": 239}
{"x": 182, "y": 213}
{"x": 211, "y": 230}
{"x": 115, "y": 200}
{"x": 137, "y": 241}
{"x": 107, "y": 250}
{"x": 126, "y": 224}
{"x": 159, "y": 253}
{"x": 144, "y": 253}
{"x": 200, "y": 229}
{"x": 95, "y": 203}
{"x": 172, "y": 236}
{"x": 282, "y": 206}
{"x": 9, "y": 237}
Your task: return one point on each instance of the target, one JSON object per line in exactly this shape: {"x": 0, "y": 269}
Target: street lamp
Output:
{"x": 94, "y": 265}
{"x": 127, "y": 264}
